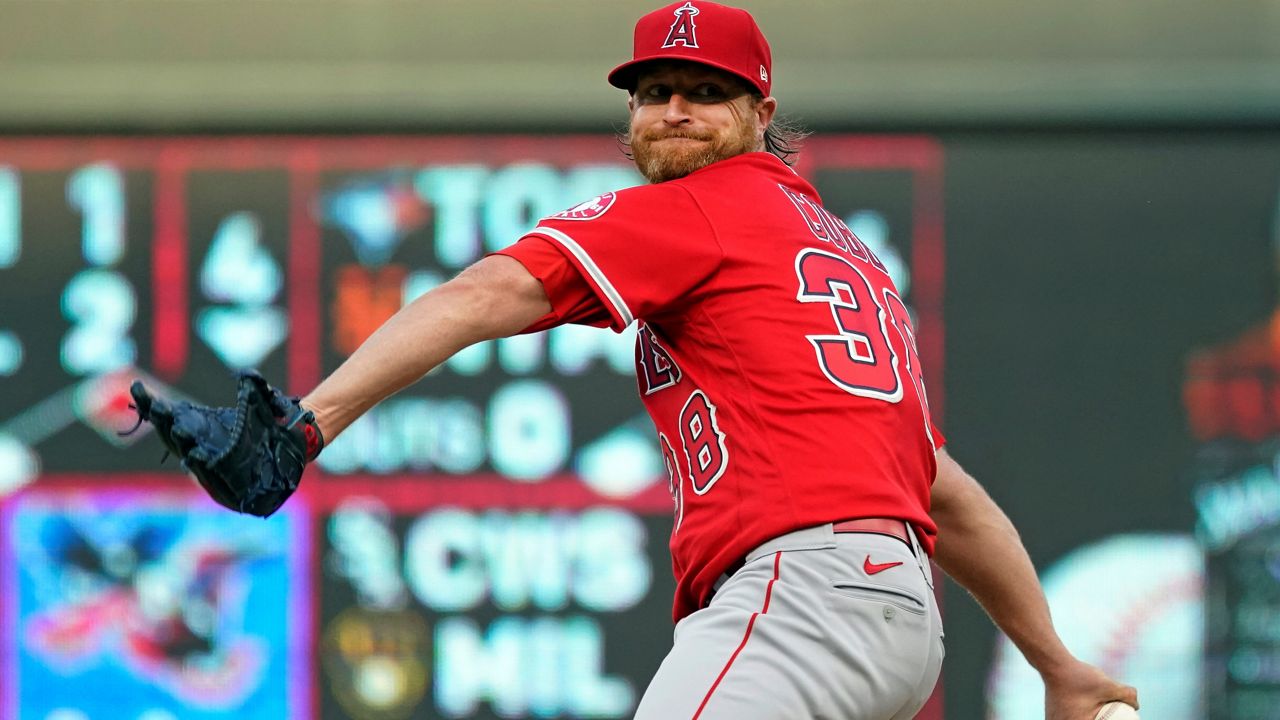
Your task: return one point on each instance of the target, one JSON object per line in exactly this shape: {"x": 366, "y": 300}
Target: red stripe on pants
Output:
{"x": 768, "y": 594}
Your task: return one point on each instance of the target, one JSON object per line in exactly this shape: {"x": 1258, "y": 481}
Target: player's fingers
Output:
{"x": 1122, "y": 693}
{"x": 1130, "y": 697}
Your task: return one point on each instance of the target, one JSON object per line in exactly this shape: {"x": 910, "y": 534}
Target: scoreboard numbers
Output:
{"x": 99, "y": 302}
{"x": 97, "y": 192}
{"x": 10, "y": 217}
{"x": 101, "y": 306}
{"x": 10, "y": 249}
{"x": 241, "y": 278}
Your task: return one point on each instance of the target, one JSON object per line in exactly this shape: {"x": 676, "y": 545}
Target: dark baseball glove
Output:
{"x": 250, "y": 457}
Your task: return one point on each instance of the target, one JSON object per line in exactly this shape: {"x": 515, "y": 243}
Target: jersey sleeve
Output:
{"x": 572, "y": 299}
{"x": 642, "y": 251}
{"x": 938, "y": 439}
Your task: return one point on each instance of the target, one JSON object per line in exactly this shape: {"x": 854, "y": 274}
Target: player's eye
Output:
{"x": 708, "y": 91}
{"x": 656, "y": 91}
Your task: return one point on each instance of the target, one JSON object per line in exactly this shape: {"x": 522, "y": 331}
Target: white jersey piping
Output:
{"x": 611, "y": 293}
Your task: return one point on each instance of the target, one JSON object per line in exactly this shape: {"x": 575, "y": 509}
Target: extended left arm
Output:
{"x": 496, "y": 297}
{"x": 980, "y": 549}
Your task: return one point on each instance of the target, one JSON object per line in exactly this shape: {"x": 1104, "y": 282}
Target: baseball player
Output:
{"x": 779, "y": 365}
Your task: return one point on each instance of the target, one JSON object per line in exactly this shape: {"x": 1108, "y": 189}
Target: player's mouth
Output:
{"x": 679, "y": 136}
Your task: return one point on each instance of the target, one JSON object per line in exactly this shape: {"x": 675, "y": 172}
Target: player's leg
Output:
{"x": 714, "y": 669}
{"x": 791, "y": 636}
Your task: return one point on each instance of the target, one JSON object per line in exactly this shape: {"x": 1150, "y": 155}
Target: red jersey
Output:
{"x": 774, "y": 355}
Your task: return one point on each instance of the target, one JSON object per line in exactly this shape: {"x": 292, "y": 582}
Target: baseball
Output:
{"x": 1116, "y": 711}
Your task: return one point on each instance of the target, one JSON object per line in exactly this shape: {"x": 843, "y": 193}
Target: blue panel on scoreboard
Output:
{"x": 120, "y": 605}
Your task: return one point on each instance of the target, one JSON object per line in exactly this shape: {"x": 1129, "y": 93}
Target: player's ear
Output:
{"x": 631, "y": 103}
{"x": 765, "y": 109}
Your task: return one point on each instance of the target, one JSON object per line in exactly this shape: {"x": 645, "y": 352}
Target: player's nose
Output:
{"x": 677, "y": 111}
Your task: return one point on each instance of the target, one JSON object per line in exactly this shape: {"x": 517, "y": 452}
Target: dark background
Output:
{"x": 1082, "y": 269}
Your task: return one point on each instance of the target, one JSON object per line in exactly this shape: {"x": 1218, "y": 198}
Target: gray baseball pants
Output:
{"x": 804, "y": 630}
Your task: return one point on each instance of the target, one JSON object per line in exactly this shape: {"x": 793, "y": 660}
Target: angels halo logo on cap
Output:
{"x": 683, "y": 30}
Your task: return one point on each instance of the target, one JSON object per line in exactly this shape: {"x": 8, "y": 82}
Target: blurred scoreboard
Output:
{"x": 1238, "y": 506}
{"x": 488, "y": 543}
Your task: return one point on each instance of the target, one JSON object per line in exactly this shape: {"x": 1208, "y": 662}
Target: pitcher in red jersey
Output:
{"x": 779, "y": 365}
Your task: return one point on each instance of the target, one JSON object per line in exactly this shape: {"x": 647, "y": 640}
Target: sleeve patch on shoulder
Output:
{"x": 589, "y": 210}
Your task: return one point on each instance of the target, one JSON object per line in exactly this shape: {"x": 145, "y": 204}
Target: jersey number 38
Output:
{"x": 859, "y": 357}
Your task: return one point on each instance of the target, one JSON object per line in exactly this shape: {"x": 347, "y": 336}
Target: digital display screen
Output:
{"x": 129, "y": 604}
{"x": 1238, "y": 501}
{"x": 490, "y": 542}
{"x": 1112, "y": 342}
{"x": 489, "y": 612}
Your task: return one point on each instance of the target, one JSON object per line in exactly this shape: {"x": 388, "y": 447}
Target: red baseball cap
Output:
{"x": 723, "y": 37}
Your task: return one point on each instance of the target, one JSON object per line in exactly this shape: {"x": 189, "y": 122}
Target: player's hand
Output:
{"x": 1078, "y": 690}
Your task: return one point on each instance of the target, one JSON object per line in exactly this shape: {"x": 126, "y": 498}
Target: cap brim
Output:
{"x": 623, "y": 77}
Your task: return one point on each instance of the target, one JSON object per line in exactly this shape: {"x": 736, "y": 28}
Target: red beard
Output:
{"x": 660, "y": 162}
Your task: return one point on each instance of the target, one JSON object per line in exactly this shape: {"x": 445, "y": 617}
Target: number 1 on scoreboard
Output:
{"x": 10, "y": 217}
{"x": 97, "y": 191}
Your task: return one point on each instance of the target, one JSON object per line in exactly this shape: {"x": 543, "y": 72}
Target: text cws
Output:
{"x": 562, "y": 573}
